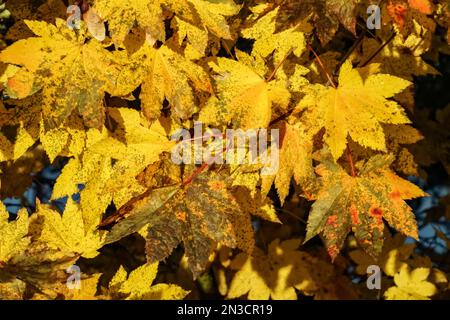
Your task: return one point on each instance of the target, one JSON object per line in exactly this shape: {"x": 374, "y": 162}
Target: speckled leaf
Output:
{"x": 327, "y": 15}
{"x": 201, "y": 216}
{"x": 355, "y": 108}
{"x": 360, "y": 204}
{"x": 72, "y": 71}
{"x": 138, "y": 212}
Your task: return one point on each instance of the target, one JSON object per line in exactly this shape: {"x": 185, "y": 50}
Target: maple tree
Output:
{"x": 93, "y": 107}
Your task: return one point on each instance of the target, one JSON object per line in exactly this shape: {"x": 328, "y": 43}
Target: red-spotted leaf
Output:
{"x": 360, "y": 203}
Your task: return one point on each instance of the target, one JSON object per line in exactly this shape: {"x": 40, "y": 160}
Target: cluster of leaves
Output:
{"x": 100, "y": 101}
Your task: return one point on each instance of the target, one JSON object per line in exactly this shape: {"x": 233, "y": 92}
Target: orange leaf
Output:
{"x": 423, "y": 6}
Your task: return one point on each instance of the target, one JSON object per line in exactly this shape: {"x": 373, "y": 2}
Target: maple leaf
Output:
{"x": 197, "y": 16}
{"x": 138, "y": 212}
{"x": 85, "y": 290}
{"x": 410, "y": 64}
{"x": 244, "y": 98}
{"x": 14, "y": 239}
{"x": 111, "y": 161}
{"x": 273, "y": 275}
{"x": 392, "y": 258}
{"x": 361, "y": 203}
{"x": 268, "y": 41}
{"x": 396, "y": 137}
{"x": 295, "y": 160}
{"x": 122, "y": 15}
{"x": 201, "y": 215}
{"x": 31, "y": 262}
{"x": 137, "y": 285}
{"x": 26, "y": 117}
{"x": 69, "y": 232}
{"x": 399, "y": 10}
{"x": 210, "y": 14}
{"x": 66, "y": 141}
{"x": 61, "y": 59}
{"x": 38, "y": 265}
{"x": 355, "y": 108}
{"x": 12, "y": 290}
{"x": 411, "y": 285}
{"x": 17, "y": 176}
{"x": 326, "y": 15}
{"x": 166, "y": 74}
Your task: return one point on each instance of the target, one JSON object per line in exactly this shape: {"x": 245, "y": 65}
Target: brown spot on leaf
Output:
{"x": 376, "y": 212}
{"x": 395, "y": 195}
{"x": 398, "y": 12}
{"x": 332, "y": 221}
{"x": 181, "y": 216}
{"x": 355, "y": 216}
{"x": 217, "y": 185}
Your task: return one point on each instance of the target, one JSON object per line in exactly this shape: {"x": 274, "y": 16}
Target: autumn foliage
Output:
{"x": 96, "y": 102}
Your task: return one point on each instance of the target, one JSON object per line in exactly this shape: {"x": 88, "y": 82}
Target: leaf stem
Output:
{"x": 195, "y": 174}
{"x": 273, "y": 74}
{"x": 322, "y": 66}
{"x": 349, "y": 52}
{"x": 350, "y": 161}
{"x": 202, "y": 168}
{"x": 376, "y": 52}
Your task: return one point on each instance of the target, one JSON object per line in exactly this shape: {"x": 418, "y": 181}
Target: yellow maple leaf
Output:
{"x": 137, "y": 285}
{"x": 355, "y": 108}
{"x": 70, "y": 232}
{"x": 26, "y": 117}
{"x": 411, "y": 285}
{"x": 122, "y": 15}
{"x": 85, "y": 289}
{"x": 133, "y": 146}
{"x": 268, "y": 41}
{"x": 244, "y": 98}
{"x": 209, "y": 14}
{"x": 295, "y": 160}
{"x": 166, "y": 74}
{"x": 273, "y": 275}
{"x": 67, "y": 141}
{"x": 392, "y": 258}
{"x": 194, "y": 18}
{"x": 196, "y": 36}
{"x": 13, "y": 238}
{"x": 57, "y": 59}
{"x": 12, "y": 290}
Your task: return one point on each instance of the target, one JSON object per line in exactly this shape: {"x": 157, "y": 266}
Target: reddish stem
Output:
{"x": 273, "y": 74}
{"x": 350, "y": 161}
{"x": 330, "y": 79}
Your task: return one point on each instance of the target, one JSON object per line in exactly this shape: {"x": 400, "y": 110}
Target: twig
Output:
{"x": 272, "y": 75}
{"x": 374, "y": 54}
{"x": 350, "y": 161}
{"x": 349, "y": 52}
{"x": 330, "y": 79}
